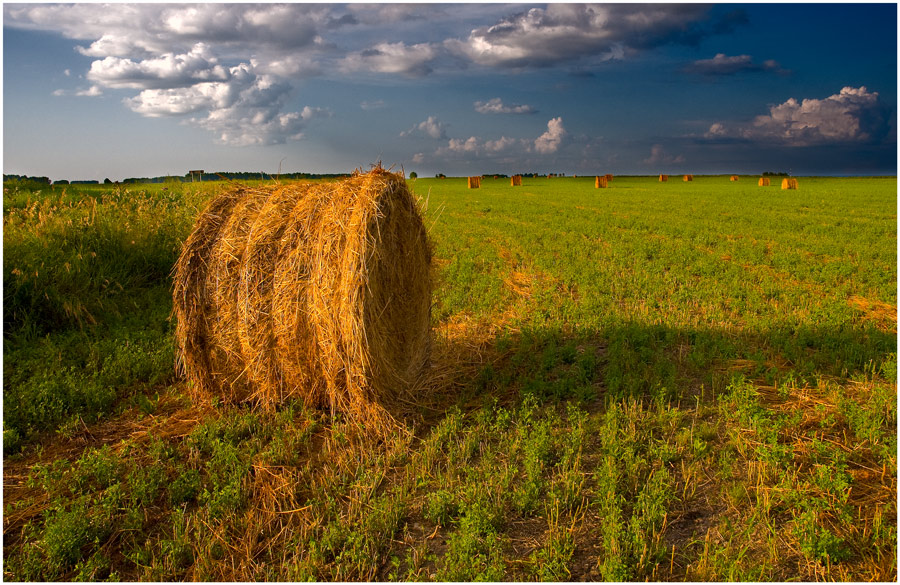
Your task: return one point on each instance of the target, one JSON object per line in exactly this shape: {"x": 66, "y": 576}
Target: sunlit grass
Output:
{"x": 653, "y": 381}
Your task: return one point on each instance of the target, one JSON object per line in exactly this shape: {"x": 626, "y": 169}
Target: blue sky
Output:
{"x": 92, "y": 91}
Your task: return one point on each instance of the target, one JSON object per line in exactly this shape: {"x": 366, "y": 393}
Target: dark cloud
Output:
{"x": 722, "y": 64}
{"x": 561, "y": 33}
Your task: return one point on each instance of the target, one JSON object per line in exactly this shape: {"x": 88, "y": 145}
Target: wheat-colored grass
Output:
{"x": 316, "y": 291}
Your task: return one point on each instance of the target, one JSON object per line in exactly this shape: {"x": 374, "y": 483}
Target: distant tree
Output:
{"x": 413, "y": 175}
{"x": 61, "y": 182}
{"x": 106, "y": 181}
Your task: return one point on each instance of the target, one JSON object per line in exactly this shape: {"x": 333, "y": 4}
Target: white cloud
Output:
{"x": 410, "y": 60}
{"x": 496, "y": 106}
{"x": 167, "y": 70}
{"x": 373, "y": 105}
{"x": 231, "y": 67}
{"x": 547, "y": 143}
{"x": 565, "y": 32}
{"x": 418, "y": 158}
{"x": 500, "y": 144}
{"x": 471, "y": 144}
{"x": 92, "y": 91}
{"x": 431, "y": 127}
{"x": 852, "y": 115}
{"x": 659, "y": 156}
{"x": 550, "y": 141}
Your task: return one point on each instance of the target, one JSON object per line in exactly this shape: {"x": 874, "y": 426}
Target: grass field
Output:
{"x": 653, "y": 381}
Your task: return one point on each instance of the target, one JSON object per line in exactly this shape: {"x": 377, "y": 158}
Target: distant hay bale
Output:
{"x": 320, "y": 292}
{"x": 663, "y": 178}
{"x": 764, "y": 182}
{"x": 789, "y": 183}
{"x": 733, "y": 178}
{"x": 600, "y": 183}
{"x": 474, "y": 182}
{"x": 515, "y": 181}
{"x": 689, "y": 177}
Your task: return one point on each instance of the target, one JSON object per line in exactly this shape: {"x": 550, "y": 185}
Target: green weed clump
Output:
{"x": 86, "y": 273}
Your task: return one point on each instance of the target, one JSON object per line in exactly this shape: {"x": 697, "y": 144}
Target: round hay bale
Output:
{"x": 314, "y": 291}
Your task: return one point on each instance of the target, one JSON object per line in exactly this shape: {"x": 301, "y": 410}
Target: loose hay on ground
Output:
{"x": 316, "y": 291}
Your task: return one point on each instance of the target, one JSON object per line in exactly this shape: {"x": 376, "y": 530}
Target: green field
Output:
{"x": 653, "y": 381}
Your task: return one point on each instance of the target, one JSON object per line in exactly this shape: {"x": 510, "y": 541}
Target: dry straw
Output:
{"x": 689, "y": 177}
{"x": 609, "y": 177}
{"x": 733, "y": 178}
{"x": 515, "y": 181}
{"x": 764, "y": 182}
{"x": 663, "y": 178}
{"x": 789, "y": 183}
{"x": 320, "y": 292}
{"x": 474, "y": 182}
{"x": 600, "y": 183}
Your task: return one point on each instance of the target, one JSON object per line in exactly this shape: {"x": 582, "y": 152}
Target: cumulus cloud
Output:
{"x": 431, "y": 127}
{"x": 547, "y": 143}
{"x": 410, "y": 60}
{"x": 92, "y": 91}
{"x": 722, "y": 64}
{"x": 550, "y": 141}
{"x": 852, "y": 115}
{"x": 559, "y": 33}
{"x": 496, "y": 106}
{"x": 191, "y": 60}
{"x": 659, "y": 156}
{"x": 167, "y": 70}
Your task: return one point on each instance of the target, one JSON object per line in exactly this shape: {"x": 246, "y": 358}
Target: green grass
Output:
{"x": 654, "y": 381}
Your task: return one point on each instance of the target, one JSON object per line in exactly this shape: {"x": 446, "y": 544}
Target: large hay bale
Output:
{"x": 689, "y": 177}
{"x": 316, "y": 291}
{"x": 733, "y": 178}
{"x": 663, "y": 178}
{"x": 609, "y": 177}
{"x": 789, "y": 183}
{"x": 764, "y": 182}
{"x": 516, "y": 181}
{"x": 474, "y": 182}
{"x": 600, "y": 183}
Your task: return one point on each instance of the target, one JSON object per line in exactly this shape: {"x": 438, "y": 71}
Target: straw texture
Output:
{"x": 314, "y": 291}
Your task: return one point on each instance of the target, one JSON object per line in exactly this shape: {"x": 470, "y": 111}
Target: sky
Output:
{"x": 95, "y": 91}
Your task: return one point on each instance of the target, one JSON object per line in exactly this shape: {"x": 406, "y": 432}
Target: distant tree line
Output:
{"x": 40, "y": 180}
{"x": 773, "y": 174}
